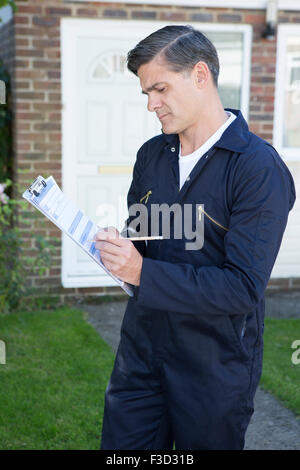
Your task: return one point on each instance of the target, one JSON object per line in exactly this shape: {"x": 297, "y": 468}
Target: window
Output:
{"x": 230, "y": 51}
{"x": 110, "y": 66}
{"x": 233, "y": 44}
{"x": 287, "y": 96}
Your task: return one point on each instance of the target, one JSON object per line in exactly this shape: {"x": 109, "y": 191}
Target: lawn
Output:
{"x": 52, "y": 385}
{"x": 280, "y": 376}
{"x": 57, "y": 368}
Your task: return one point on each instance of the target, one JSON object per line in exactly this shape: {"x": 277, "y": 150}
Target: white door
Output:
{"x": 105, "y": 121}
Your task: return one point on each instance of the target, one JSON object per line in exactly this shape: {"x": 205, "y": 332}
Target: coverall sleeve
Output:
{"x": 260, "y": 207}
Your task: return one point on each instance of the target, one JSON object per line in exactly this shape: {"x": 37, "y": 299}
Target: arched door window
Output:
{"x": 109, "y": 66}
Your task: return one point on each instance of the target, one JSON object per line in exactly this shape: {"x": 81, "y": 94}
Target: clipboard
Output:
{"x": 46, "y": 196}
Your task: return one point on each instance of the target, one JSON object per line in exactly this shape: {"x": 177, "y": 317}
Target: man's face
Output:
{"x": 173, "y": 96}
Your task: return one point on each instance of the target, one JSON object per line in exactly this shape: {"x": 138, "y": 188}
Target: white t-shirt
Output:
{"x": 187, "y": 162}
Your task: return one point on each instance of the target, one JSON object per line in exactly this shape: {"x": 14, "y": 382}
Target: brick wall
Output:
{"x": 37, "y": 70}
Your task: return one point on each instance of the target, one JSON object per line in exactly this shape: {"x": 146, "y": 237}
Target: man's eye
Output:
{"x": 160, "y": 89}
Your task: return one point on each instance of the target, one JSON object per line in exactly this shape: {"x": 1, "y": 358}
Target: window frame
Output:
{"x": 287, "y": 153}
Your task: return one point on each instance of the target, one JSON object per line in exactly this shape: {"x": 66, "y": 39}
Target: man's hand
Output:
{"x": 119, "y": 255}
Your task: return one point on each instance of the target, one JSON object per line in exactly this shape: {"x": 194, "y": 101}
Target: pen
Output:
{"x": 136, "y": 239}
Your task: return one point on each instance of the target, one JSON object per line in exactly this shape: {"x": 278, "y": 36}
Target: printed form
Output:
{"x": 58, "y": 208}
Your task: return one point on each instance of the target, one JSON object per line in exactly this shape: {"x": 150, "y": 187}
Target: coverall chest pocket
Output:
{"x": 214, "y": 216}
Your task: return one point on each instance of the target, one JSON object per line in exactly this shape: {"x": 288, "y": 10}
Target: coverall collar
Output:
{"x": 234, "y": 138}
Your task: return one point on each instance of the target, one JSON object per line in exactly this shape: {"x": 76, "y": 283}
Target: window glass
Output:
{"x": 291, "y": 121}
{"x": 230, "y": 51}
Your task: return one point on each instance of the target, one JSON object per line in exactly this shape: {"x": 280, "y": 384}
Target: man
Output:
{"x": 190, "y": 355}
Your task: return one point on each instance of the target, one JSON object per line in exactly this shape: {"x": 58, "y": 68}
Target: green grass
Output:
{"x": 280, "y": 376}
{"x": 52, "y": 385}
{"x": 57, "y": 368}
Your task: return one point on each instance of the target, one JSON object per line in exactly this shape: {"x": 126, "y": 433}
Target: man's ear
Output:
{"x": 202, "y": 72}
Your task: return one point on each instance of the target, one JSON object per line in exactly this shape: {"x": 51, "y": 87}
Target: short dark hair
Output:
{"x": 180, "y": 46}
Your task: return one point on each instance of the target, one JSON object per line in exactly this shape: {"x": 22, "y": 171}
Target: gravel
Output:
{"x": 272, "y": 426}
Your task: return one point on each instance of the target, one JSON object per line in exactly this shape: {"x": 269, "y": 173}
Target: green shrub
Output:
{"x": 14, "y": 264}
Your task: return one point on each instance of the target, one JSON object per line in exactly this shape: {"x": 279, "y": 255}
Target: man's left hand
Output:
{"x": 119, "y": 255}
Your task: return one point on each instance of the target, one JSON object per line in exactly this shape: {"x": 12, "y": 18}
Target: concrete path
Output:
{"x": 272, "y": 426}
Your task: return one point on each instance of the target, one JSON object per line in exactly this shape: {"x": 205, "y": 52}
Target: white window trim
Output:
{"x": 288, "y": 154}
{"x": 246, "y": 5}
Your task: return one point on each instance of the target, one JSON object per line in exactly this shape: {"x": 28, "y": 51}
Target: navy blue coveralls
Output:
{"x": 190, "y": 356}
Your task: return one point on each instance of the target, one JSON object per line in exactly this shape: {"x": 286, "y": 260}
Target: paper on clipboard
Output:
{"x": 46, "y": 196}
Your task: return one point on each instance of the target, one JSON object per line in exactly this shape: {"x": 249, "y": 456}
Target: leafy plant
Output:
{"x": 15, "y": 265}
{"x": 4, "y": 3}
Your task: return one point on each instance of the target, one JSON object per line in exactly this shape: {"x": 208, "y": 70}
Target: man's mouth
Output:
{"x": 162, "y": 116}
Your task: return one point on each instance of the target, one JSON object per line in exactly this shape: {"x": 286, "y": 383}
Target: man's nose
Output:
{"x": 154, "y": 103}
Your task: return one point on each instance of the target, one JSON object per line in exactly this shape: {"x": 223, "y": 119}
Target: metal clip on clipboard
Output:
{"x": 47, "y": 197}
{"x": 36, "y": 187}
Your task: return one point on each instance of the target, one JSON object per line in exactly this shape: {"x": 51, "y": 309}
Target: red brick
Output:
{"x": 229, "y": 17}
{"x": 22, "y": 84}
{"x": 21, "y": 146}
{"x": 36, "y": 137}
{"x": 45, "y": 21}
{"x": 30, "y": 73}
{"x": 21, "y": 42}
{"x": 172, "y": 16}
{"x": 86, "y": 12}
{"x": 23, "y": 126}
{"x": 58, "y": 11}
{"x": 52, "y": 54}
{"x": 269, "y": 108}
{"x": 45, "y": 64}
{"x": 29, "y": 116}
{"x": 205, "y": 17}
{"x": 45, "y": 43}
{"x": 254, "y": 19}
{"x": 28, "y": 9}
{"x": 44, "y": 146}
{"x": 29, "y": 95}
{"x": 54, "y": 156}
{"x": 54, "y": 97}
{"x": 22, "y": 105}
{"x": 46, "y": 106}
{"x": 115, "y": 13}
{"x": 47, "y": 85}
{"x": 22, "y": 31}
{"x": 21, "y": 19}
{"x": 54, "y": 117}
{"x": 54, "y": 74}
{"x": 54, "y": 272}
{"x": 29, "y": 53}
{"x": 21, "y": 63}
{"x": 47, "y": 126}
{"x": 260, "y": 59}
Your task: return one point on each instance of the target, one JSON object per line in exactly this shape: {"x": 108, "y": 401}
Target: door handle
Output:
{"x": 115, "y": 169}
